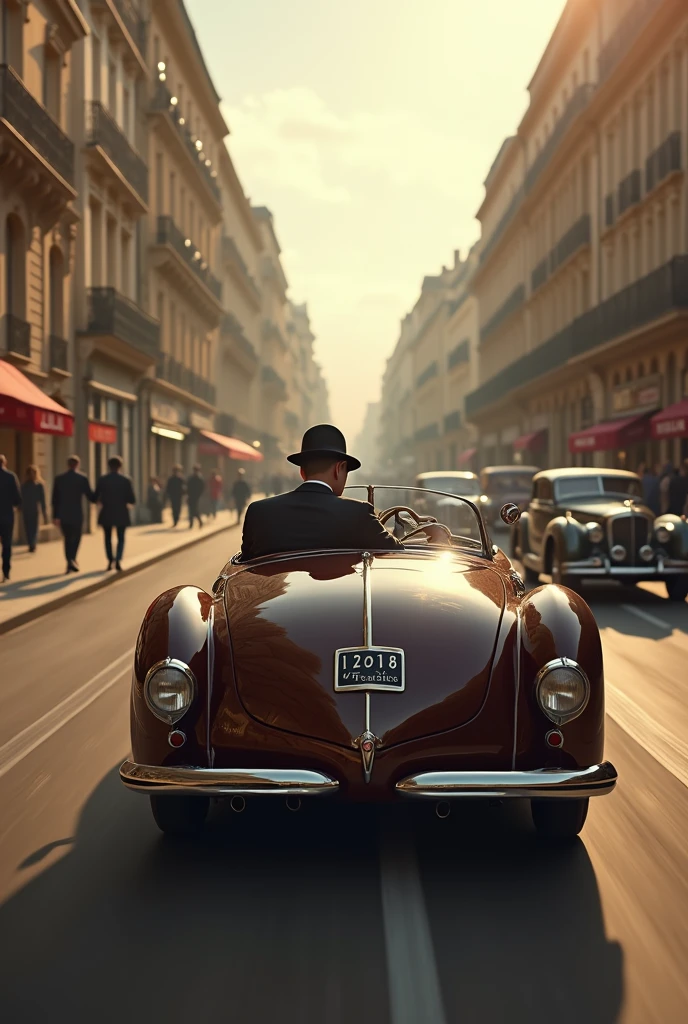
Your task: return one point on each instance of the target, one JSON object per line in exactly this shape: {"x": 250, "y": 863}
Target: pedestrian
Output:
{"x": 33, "y": 500}
{"x": 215, "y": 491}
{"x": 678, "y": 492}
{"x": 10, "y": 498}
{"x": 650, "y": 482}
{"x": 664, "y": 481}
{"x": 69, "y": 490}
{"x": 195, "y": 486}
{"x": 174, "y": 491}
{"x": 115, "y": 495}
{"x": 241, "y": 492}
{"x": 154, "y": 500}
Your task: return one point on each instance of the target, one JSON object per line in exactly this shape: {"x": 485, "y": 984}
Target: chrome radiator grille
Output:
{"x": 632, "y": 531}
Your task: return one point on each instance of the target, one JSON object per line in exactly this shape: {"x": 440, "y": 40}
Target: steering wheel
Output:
{"x": 396, "y": 509}
{"x": 434, "y": 527}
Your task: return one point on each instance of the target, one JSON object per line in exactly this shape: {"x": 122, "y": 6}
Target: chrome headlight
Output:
{"x": 595, "y": 532}
{"x": 169, "y": 689}
{"x": 562, "y": 689}
{"x": 663, "y": 533}
{"x": 618, "y": 552}
{"x": 483, "y": 499}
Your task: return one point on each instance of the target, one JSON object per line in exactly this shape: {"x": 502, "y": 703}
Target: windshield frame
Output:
{"x": 601, "y": 491}
{"x": 371, "y": 489}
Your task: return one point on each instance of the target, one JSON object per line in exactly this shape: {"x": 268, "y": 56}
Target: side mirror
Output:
{"x": 510, "y": 514}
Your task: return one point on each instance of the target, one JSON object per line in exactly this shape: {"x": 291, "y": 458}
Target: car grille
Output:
{"x": 632, "y": 532}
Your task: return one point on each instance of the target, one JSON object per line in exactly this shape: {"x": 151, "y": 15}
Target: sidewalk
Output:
{"x": 39, "y": 582}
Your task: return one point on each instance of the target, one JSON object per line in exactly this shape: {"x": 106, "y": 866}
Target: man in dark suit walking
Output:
{"x": 315, "y": 516}
{"x": 195, "y": 486}
{"x": 114, "y": 494}
{"x": 10, "y": 498}
{"x": 69, "y": 490}
{"x": 174, "y": 491}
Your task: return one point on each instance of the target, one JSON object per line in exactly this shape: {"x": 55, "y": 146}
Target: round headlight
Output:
{"x": 646, "y": 553}
{"x": 169, "y": 690}
{"x": 595, "y": 532}
{"x": 483, "y": 499}
{"x": 663, "y": 533}
{"x": 618, "y": 552}
{"x": 562, "y": 689}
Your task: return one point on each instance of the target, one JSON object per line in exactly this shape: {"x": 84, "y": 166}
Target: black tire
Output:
{"x": 559, "y": 819}
{"x": 180, "y": 815}
{"x": 676, "y": 587}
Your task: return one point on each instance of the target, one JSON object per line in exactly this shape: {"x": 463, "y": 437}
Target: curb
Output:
{"x": 112, "y": 577}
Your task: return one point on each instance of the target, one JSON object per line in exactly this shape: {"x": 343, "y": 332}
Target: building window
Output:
{"x": 654, "y": 366}
{"x": 160, "y": 315}
{"x": 14, "y": 29}
{"x": 52, "y": 84}
{"x": 112, "y": 89}
{"x": 616, "y": 380}
{"x": 95, "y": 68}
{"x": 629, "y": 374}
{"x": 641, "y": 371}
{"x": 159, "y": 187}
{"x": 671, "y": 380}
{"x": 56, "y": 286}
{"x": 15, "y": 264}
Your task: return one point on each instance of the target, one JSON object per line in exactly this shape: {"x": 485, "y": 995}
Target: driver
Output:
{"x": 315, "y": 516}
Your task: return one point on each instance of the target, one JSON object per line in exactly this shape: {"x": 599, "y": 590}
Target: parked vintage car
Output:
{"x": 371, "y": 676}
{"x": 456, "y": 514}
{"x": 504, "y": 483}
{"x": 592, "y": 524}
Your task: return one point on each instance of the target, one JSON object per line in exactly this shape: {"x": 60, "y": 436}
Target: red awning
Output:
{"x": 23, "y": 406}
{"x": 671, "y": 422}
{"x": 466, "y": 456}
{"x": 230, "y": 446}
{"x": 533, "y": 442}
{"x": 612, "y": 434}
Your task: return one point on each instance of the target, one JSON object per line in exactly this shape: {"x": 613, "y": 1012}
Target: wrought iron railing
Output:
{"x": 104, "y": 131}
{"x": 134, "y": 23}
{"x": 452, "y": 421}
{"x": 628, "y": 30}
{"x": 575, "y": 106}
{"x": 428, "y": 373}
{"x": 231, "y": 254}
{"x": 577, "y": 237}
{"x": 162, "y": 102}
{"x": 664, "y": 161}
{"x": 58, "y": 353}
{"x": 33, "y": 122}
{"x": 509, "y": 306}
{"x": 503, "y": 224}
{"x": 459, "y": 354}
{"x": 169, "y": 234}
{"x": 17, "y": 336}
{"x": 171, "y": 370}
{"x": 231, "y": 326}
{"x": 629, "y": 191}
{"x": 110, "y": 313}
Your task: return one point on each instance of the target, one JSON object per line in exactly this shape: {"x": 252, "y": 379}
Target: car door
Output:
{"x": 540, "y": 513}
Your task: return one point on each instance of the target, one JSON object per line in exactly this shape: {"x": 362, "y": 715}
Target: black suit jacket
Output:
{"x": 311, "y": 518}
{"x": 69, "y": 490}
{"x": 114, "y": 491}
{"x": 10, "y": 495}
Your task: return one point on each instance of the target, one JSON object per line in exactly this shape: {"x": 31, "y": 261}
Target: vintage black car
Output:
{"x": 504, "y": 483}
{"x": 591, "y": 524}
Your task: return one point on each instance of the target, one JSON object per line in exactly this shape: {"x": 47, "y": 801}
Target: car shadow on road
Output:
{"x": 274, "y": 916}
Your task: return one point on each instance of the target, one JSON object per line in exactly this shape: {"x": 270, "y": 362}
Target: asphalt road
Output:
{"x": 327, "y": 916}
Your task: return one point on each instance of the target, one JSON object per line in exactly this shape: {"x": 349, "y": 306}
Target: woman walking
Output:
{"x": 33, "y": 499}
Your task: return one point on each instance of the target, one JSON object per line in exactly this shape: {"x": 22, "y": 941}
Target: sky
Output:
{"x": 368, "y": 127}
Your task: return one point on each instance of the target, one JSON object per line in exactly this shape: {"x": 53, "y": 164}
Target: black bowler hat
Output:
{"x": 321, "y": 442}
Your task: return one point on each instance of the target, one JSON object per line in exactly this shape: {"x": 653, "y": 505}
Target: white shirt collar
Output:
{"x": 321, "y": 482}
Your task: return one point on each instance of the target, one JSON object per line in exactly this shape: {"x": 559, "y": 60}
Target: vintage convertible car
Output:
{"x": 371, "y": 676}
{"x": 590, "y": 524}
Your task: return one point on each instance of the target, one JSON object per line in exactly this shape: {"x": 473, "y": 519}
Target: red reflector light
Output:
{"x": 367, "y": 745}
{"x": 176, "y": 738}
{"x": 555, "y": 738}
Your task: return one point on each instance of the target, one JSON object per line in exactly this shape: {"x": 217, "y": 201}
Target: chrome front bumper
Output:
{"x": 545, "y": 783}
{"x": 146, "y": 778}
{"x": 604, "y": 567}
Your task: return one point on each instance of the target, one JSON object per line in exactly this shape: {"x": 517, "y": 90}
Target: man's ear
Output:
{"x": 302, "y": 473}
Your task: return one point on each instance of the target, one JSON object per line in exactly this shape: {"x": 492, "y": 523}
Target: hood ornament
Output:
{"x": 366, "y": 743}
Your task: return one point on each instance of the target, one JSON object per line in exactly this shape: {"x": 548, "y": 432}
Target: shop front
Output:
{"x": 530, "y": 448}
{"x": 168, "y": 438}
{"x": 626, "y": 438}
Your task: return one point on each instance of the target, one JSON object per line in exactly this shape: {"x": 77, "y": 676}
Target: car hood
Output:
{"x": 288, "y": 617}
{"x": 598, "y": 508}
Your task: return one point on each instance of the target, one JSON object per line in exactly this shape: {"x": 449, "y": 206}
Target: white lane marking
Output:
{"x": 666, "y": 747}
{"x": 26, "y": 741}
{"x": 414, "y": 986}
{"x": 652, "y": 619}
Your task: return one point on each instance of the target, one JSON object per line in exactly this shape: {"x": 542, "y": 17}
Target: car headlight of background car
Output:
{"x": 595, "y": 532}
{"x": 169, "y": 690}
{"x": 562, "y": 690}
{"x": 664, "y": 532}
{"x": 483, "y": 499}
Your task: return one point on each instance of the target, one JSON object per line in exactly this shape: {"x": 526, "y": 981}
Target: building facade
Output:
{"x": 582, "y": 283}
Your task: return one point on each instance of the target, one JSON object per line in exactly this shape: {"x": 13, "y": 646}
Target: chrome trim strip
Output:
{"x": 209, "y": 688}
{"x": 640, "y": 571}
{"x": 554, "y": 783}
{"x": 367, "y": 601}
{"x": 225, "y": 781}
{"x": 517, "y": 675}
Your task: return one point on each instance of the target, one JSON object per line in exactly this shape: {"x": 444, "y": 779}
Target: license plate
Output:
{"x": 369, "y": 668}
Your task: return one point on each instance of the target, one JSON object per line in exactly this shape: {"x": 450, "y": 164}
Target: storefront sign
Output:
{"x": 201, "y": 422}
{"x": 102, "y": 433}
{"x": 165, "y": 412}
{"x": 38, "y": 421}
{"x": 637, "y": 396}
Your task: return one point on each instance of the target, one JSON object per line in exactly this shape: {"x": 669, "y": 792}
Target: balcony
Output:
{"x": 577, "y": 237}
{"x": 239, "y": 346}
{"x": 173, "y": 372}
{"x": 133, "y": 22}
{"x": 459, "y": 354}
{"x": 427, "y": 433}
{"x": 628, "y": 30}
{"x": 104, "y": 133}
{"x": 274, "y": 383}
{"x": 124, "y": 327}
{"x": 452, "y": 421}
{"x": 629, "y": 192}
{"x": 58, "y": 355}
{"x": 162, "y": 104}
{"x": 17, "y": 337}
{"x": 271, "y": 332}
{"x": 35, "y": 125}
{"x": 576, "y": 105}
{"x": 503, "y": 224}
{"x": 665, "y": 160}
{"x": 508, "y": 307}
{"x": 170, "y": 235}
{"x": 234, "y": 259}
{"x": 658, "y": 294}
{"x": 428, "y": 373}
{"x": 539, "y": 274}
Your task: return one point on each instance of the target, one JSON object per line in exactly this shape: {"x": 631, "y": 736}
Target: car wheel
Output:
{"x": 559, "y": 577}
{"x": 559, "y": 819}
{"x": 677, "y": 588}
{"x": 180, "y": 815}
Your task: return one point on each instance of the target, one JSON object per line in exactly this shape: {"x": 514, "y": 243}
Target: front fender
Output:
{"x": 555, "y": 623}
{"x": 177, "y": 625}
{"x": 569, "y": 537}
{"x": 678, "y": 545}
